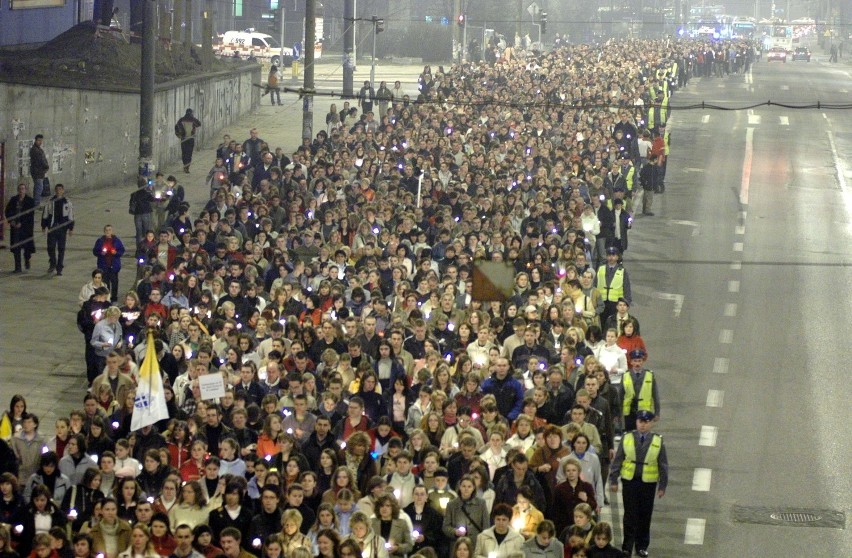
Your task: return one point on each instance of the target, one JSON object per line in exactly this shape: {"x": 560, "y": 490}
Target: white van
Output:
{"x": 248, "y": 43}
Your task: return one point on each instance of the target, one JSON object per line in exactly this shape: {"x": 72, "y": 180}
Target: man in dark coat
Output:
{"x": 185, "y": 130}
{"x": 108, "y": 250}
{"x": 38, "y": 170}
{"x": 20, "y": 214}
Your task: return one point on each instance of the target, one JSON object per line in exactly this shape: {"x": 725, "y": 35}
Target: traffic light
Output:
{"x": 543, "y": 23}
{"x": 460, "y": 20}
{"x": 380, "y": 24}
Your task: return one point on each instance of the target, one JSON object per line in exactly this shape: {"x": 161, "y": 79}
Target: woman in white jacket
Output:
{"x": 612, "y": 357}
{"x": 371, "y": 543}
{"x": 487, "y": 545}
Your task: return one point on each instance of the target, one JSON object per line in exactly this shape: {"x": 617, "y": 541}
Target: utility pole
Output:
{"x": 177, "y": 22}
{"x": 281, "y": 32}
{"x": 146, "y": 90}
{"x": 375, "y": 20}
{"x": 348, "y": 45}
{"x": 456, "y": 23}
{"x": 187, "y": 36}
{"x": 207, "y": 35}
{"x": 310, "y": 40}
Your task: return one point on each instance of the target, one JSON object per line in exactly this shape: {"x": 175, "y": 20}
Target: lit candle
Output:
{"x": 72, "y": 513}
{"x": 256, "y": 542}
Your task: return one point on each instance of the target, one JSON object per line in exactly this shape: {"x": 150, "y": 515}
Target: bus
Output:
{"x": 743, "y": 28}
{"x": 781, "y": 36}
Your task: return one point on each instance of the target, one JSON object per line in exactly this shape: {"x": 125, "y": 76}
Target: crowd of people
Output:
{"x": 374, "y": 407}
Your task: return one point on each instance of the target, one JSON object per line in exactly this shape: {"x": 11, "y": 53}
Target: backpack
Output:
{"x": 133, "y": 206}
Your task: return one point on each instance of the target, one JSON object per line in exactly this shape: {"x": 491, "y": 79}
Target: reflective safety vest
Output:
{"x": 664, "y": 108}
{"x": 666, "y": 142}
{"x": 628, "y": 178}
{"x": 650, "y": 468}
{"x": 646, "y": 393}
{"x": 616, "y": 286}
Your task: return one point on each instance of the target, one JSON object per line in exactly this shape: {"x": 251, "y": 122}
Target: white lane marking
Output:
{"x": 695, "y": 225}
{"x": 694, "y": 531}
{"x": 749, "y": 154}
{"x": 785, "y": 88}
{"x": 720, "y": 365}
{"x": 701, "y": 479}
{"x": 676, "y": 298}
{"x": 841, "y": 175}
{"x": 715, "y": 398}
{"x": 726, "y": 336}
{"x": 739, "y": 230}
{"x": 736, "y": 266}
{"x": 784, "y": 120}
{"x": 738, "y": 246}
{"x": 752, "y": 117}
{"x": 743, "y": 215}
{"x": 705, "y": 119}
{"x": 733, "y": 286}
{"x": 824, "y": 115}
{"x": 708, "y": 436}
{"x": 730, "y": 309}
{"x": 844, "y": 91}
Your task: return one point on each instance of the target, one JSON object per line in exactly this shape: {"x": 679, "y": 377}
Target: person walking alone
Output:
{"x": 38, "y": 170}
{"x": 20, "y": 213}
{"x": 108, "y": 250}
{"x": 58, "y": 221}
{"x": 185, "y": 130}
{"x": 272, "y": 88}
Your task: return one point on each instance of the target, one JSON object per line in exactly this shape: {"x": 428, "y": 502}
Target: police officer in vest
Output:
{"x": 644, "y": 470}
{"x": 640, "y": 388}
{"x": 613, "y": 283}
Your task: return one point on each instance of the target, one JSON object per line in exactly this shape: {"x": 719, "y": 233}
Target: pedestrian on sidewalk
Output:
{"x": 185, "y": 130}
{"x": 272, "y": 88}
{"x": 108, "y": 250}
{"x": 142, "y": 208}
{"x": 38, "y": 170}
{"x": 20, "y": 213}
{"x": 58, "y": 221}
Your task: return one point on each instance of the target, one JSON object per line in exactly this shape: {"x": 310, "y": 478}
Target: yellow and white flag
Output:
{"x": 150, "y": 404}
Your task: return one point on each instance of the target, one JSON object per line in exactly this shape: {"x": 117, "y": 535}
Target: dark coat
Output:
{"x": 21, "y": 217}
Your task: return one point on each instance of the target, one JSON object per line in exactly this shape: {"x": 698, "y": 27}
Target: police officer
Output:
{"x": 613, "y": 283}
{"x": 644, "y": 470}
{"x": 640, "y": 388}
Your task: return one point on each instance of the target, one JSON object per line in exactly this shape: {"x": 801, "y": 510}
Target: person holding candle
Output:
{"x": 108, "y": 250}
{"x": 501, "y": 540}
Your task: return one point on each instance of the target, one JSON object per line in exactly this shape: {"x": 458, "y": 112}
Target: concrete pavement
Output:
{"x": 42, "y": 350}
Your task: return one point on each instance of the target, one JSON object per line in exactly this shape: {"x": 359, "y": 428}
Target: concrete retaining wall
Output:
{"x": 92, "y": 137}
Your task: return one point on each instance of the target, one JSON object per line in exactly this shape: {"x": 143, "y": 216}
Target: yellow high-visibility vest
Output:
{"x": 650, "y": 468}
{"x": 616, "y": 287}
{"x": 646, "y": 393}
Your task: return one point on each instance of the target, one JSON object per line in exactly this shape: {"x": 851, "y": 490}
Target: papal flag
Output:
{"x": 150, "y": 404}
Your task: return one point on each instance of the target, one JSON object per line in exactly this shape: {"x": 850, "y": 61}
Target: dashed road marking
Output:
{"x": 752, "y": 117}
{"x": 705, "y": 119}
{"x": 739, "y": 230}
{"x": 694, "y": 531}
{"x": 738, "y": 246}
{"x": 708, "y": 436}
{"x": 715, "y": 398}
{"x": 735, "y": 266}
{"x": 749, "y": 154}
{"x": 726, "y": 336}
{"x": 701, "y": 479}
{"x": 734, "y": 285}
{"x": 784, "y": 120}
{"x": 730, "y": 309}
{"x": 720, "y": 365}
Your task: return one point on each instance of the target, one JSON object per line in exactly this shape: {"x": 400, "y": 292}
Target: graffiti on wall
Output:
{"x": 226, "y": 100}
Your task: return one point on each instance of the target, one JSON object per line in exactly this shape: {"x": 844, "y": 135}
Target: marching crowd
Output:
{"x": 373, "y": 406}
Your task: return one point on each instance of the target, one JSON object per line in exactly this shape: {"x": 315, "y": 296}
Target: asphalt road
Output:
{"x": 754, "y": 234}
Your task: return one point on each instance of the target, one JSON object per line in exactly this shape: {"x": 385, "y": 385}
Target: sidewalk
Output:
{"x": 41, "y": 346}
